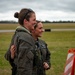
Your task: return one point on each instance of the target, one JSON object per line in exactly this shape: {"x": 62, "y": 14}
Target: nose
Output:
{"x": 35, "y": 22}
{"x": 43, "y": 30}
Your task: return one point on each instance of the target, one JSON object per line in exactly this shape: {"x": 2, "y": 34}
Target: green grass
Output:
{"x": 46, "y": 25}
{"x": 5, "y": 68}
{"x": 59, "y": 25}
{"x": 59, "y": 43}
{"x": 8, "y": 26}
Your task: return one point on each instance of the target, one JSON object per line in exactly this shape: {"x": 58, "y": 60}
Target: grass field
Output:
{"x": 58, "y": 43}
{"x": 59, "y": 25}
{"x": 46, "y": 25}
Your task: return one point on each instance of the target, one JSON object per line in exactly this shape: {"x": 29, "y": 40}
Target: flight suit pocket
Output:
{"x": 30, "y": 55}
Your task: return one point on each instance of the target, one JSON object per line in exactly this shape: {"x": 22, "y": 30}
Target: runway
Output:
{"x": 3, "y": 31}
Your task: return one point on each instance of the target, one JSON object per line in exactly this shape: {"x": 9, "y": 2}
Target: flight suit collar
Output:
{"x": 21, "y": 28}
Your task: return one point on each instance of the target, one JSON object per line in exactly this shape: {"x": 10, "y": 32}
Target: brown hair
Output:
{"x": 36, "y": 24}
{"x": 23, "y": 14}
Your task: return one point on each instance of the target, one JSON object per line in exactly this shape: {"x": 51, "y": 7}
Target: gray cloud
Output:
{"x": 63, "y": 5}
{"x": 37, "y": 5}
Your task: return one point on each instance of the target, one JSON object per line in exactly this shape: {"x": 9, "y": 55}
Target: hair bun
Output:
{"x": 16, "y": 15}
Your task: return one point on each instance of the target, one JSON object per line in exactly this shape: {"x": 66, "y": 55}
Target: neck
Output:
{"x": 27, "y": 28}
{"x": 35, "y": 37}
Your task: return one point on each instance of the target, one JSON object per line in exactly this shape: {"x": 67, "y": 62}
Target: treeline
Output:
{"x": 8, "y": 21}
{"x": 58, "y": 21}
{"x": 42, "y": 21}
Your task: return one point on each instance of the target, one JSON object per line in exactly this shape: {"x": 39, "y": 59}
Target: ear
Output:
{"x": 25, "y": 21}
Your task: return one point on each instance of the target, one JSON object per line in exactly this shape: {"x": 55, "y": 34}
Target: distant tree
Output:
{"x": 8, "y": 21}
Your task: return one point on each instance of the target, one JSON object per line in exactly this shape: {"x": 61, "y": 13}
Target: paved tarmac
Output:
{"x": 1, "y": 31}
{"x": 62, "y": 29}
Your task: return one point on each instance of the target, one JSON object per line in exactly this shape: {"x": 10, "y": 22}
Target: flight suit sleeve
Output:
{"x": 8, "y": 53}
{"x": 48, "y": 56}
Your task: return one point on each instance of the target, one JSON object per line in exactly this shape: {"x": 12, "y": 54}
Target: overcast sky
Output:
{"x": 52, "y": 10}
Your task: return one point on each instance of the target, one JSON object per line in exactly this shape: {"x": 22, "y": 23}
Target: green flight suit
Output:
{"x": 42, "y": 55}
{"x": 24, "y": 56}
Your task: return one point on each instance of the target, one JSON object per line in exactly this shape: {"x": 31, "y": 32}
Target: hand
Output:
{"x": 12, "y": 50}
{"x": 46, "y": 66}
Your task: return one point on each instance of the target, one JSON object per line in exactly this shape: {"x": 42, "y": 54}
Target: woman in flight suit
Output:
{"x": 24, "y": 43}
